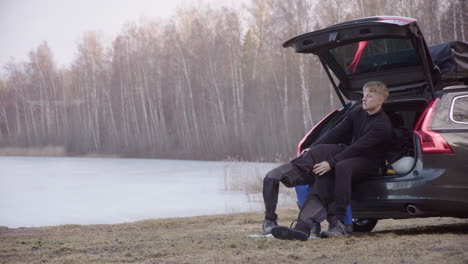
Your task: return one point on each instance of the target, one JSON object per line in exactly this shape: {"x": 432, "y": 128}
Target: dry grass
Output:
{"x": 223, "y": 239}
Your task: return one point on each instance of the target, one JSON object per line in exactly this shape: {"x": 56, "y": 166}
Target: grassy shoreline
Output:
{"x": 223, "y": 239}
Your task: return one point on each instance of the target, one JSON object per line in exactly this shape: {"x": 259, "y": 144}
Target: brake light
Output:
{"x": 431, "y": 141}
{"x": 310, "y": 132}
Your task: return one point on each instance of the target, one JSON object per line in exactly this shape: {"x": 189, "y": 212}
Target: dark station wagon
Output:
{"x": 428, "y": 106}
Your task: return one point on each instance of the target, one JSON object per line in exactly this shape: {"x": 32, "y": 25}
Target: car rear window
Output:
{"x": 459, "y": 110}
{"x": 375, "y": 55}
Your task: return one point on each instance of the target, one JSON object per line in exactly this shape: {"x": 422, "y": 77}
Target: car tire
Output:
{"x": 364, "y": 224}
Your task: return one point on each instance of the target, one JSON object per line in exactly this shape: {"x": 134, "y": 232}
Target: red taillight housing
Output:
{"x": 312, "y": 130}
{"x": 431, "y": 141}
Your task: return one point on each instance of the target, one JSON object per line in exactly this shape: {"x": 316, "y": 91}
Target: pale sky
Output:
{"x": 24, "y": 24}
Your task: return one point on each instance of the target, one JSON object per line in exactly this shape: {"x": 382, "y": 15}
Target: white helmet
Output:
{"x": 403, "y": 165}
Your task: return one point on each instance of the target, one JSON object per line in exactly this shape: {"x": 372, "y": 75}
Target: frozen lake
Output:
{"x": 55, "y": 191}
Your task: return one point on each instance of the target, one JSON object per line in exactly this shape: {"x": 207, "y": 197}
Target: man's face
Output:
{"x": 371, "y": 101}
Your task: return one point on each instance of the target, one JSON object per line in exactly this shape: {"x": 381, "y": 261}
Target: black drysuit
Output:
{"x": 350, "y": 163}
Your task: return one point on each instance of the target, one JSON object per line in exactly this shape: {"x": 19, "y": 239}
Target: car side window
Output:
{"x": 459, "y": 109}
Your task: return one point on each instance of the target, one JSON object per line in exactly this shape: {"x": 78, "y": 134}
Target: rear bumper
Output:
{"x": 398, "y": 209}
{"x": 431, "y": 192}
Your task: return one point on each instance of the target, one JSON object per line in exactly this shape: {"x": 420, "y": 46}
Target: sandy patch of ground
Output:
{"x": 223, "y": 239}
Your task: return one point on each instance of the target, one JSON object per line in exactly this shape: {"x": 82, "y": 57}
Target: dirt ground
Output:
{"x": 223, "y": 239}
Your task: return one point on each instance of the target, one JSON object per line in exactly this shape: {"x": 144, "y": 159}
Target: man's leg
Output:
{"x": 348, "y": 172}
{"x": 314, "y": 209}
{"x": 316, "y": 154}
{"x": 296, "y": 172}
{"x": 305, "y": 163}
{"x": 290, "y": 176}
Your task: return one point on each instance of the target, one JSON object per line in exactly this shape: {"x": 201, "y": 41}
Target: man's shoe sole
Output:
{"x": 286, "y": 233}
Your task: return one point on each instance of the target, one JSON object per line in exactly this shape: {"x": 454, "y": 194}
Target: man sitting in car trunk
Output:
{"x": 370, "y": 129}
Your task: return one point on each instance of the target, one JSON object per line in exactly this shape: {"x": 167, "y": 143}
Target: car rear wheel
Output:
{"x": 364, "y": 224}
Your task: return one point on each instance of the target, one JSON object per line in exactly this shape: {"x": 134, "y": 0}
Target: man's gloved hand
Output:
{"x": 321, "y": 168}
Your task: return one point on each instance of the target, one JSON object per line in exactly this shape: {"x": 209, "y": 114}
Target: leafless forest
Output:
{"x": 208, "y": 83}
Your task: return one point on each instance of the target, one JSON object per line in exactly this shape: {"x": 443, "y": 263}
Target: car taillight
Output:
{"x": 312, "y": 130}
{"x": 431, "y": 141}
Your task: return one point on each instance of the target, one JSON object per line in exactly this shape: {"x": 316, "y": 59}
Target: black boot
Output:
{"x": 339, "y": 230}
{"x": 286, "y": 233}
{"x": 331, "y": 219}
{"x": 299, "y": 232}
{"x": 267, "y": 226}
{"x": 315, "y": 231}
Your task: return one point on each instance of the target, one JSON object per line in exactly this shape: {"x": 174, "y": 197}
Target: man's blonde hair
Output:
{"x": 377, "y": 87}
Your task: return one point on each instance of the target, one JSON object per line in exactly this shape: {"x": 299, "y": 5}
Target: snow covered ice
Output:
{"x": 55, "y": 191}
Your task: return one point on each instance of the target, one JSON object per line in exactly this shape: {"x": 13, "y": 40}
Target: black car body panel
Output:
{"x": 430, "y": 108}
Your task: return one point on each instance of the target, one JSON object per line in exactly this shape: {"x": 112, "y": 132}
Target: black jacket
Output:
{"x": 371, "y": 135}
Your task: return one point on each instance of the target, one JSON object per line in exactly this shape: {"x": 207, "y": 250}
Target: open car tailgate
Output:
{"x": 389, "y": 49}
